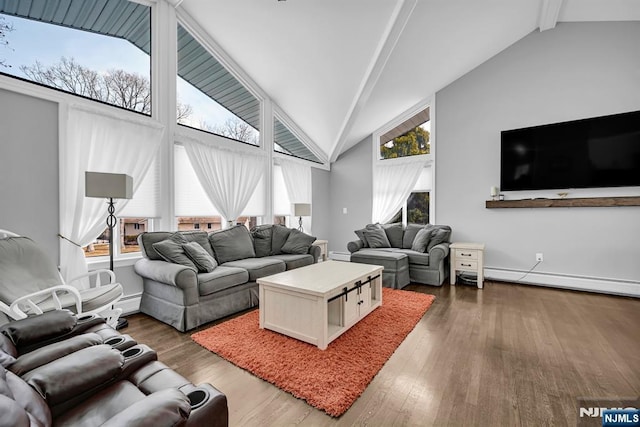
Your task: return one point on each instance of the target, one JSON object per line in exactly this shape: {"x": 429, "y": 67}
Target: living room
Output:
{"x": 574, "y": 70}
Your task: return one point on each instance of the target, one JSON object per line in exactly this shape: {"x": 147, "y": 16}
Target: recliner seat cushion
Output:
{"x": 223, "y": 277}
{"x": 92, "y": 298}
{"x": 259, "y": 267}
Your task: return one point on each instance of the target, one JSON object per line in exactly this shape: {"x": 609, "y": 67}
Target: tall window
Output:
{"x": 98, "y": 50}
{"x": 210, "y": 98}
{"x": 410, "y": 138}
{"x": 417, "y": 207}
{"x": 285, "y": 142}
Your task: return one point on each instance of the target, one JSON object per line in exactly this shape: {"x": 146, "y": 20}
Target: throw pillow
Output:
{"x": 394, "y": 234}
{"x": 200, "y": 257}
{"x": 297, "y": 243}
{"x": 360, "y": 234}
{"x": 377, "y": 239}
{"x": 410, "y": 234}
{"x": 440, "y": 235}
{"x": 232, "y": 244}
{"x": 200, "y": 237}
{"x": 171, "y": 251}
{"x": 421, "y": 241}
{"x": 279, "y": 234}
{"x": 262, "y": 240}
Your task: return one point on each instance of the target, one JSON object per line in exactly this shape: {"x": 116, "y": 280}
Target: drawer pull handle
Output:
{"x": 466, "y": 265}
{"x": 465, "y": 254}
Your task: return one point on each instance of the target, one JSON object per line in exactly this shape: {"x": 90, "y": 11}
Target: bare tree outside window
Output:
{"x": 234, "y": 128}
{"x": 5, "y": 28}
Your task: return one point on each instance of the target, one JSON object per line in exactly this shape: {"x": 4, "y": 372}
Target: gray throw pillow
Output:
{"x": 262, "y": 240}
{"x": 421, "y": 241}
{"x": 171, "y": 251}
{"x": 297, "y": 243}
{"x": 394, "y": 234}
{"x": 200, "y": 257}
{"x": 360, "y": 234}
{"x": 440, "y": 235}
{"x": 279, "y": 235}
{"x": 377, "y": 238}
{"x": 201, "y": 237}
{"x": 410, "y": 234}
{"x": 232, "y": 244}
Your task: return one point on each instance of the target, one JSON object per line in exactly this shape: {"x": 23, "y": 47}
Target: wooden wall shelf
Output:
{"x": 564, "y": 203}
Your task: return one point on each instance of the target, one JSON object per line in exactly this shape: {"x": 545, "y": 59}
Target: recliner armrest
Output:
{"x": 168, "y": 407}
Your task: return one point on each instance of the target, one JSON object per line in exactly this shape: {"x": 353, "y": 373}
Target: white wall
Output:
{"x": 29, "y": 169}
{"x": 574, "y": 71}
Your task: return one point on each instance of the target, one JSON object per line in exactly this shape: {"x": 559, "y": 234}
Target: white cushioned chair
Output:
{"x": 31, "y": 284}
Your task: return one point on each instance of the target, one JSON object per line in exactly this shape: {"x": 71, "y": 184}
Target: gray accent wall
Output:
{"x": 320, "y": 203}
{"x": 29, "y": 168}
{"x": 350, "y": 188}
{"x": 574, "y": 71}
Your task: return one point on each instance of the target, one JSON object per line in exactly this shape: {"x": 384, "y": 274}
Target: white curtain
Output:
{"x": 228, "y": 177}
{"x": 97, "y": 142}
{"x": 392, "y": 184}
{"x": 297, "y": 180}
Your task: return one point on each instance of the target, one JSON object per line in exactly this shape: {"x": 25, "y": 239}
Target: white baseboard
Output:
{"x": 129, "y": 304}
{"x": 589, "y": 284}
{"x": 340, "y": 256}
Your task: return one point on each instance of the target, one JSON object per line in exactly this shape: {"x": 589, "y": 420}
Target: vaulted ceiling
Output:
{"x": 340, "y": 69}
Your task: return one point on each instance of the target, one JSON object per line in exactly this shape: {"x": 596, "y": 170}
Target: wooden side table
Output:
{"x": 323, "y": 248}
{"x": 467, "y": 257}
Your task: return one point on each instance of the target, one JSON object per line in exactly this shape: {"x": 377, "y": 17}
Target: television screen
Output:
{"x": 588, "y": 153}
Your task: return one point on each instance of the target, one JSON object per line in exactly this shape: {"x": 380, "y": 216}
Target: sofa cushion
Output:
{"x": 262, "y": 240}
{"x": 419, "y": 258}
{"x": 297, "y": 243}
{"x": 389, "y": 259}
{"x": 171, "y": 251}
{"x": 377, "y": 239}
{"x": 232, "y": 244}
{"x": 394, "y": 234}
{"x": 221, "y": 278}
{"x": 279, "y": 234}
{"x": 259, "y": 267}
{"x": 205, "y": 262}
{"x": 421, "y": 240}
{"x": 360, "y": 234}
{"x": 146, "y": 241}
{"x": 294, "y": 260}
{"x": 439, "y": 235}
{"x": 410, "y": 234}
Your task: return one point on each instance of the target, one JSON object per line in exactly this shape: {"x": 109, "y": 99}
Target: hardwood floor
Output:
{"x": 506, "y": 355}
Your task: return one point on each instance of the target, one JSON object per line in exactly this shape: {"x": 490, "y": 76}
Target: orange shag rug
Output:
{"x": 330, "y": 380}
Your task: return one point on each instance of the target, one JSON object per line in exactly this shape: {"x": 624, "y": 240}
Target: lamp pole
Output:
{"x": 111, "y": 223}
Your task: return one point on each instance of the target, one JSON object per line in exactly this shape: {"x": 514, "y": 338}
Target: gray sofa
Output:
{"x": 418, "y": 253}
{"x": 191, "y": 277}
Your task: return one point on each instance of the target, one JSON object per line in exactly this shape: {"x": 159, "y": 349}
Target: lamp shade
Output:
{"x": 108, "y": 185}
{"x": 302, "y": 209}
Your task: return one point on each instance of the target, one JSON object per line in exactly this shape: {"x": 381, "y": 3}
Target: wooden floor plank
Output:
{"x": 503, "y": 355}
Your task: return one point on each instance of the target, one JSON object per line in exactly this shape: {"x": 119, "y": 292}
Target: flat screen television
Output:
{"x": 588, "y": 153}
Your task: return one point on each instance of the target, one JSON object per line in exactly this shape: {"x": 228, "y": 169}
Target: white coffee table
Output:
{"x": 319, "y": 302}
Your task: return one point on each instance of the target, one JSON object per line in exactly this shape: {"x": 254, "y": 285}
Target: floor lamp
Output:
{"x": 109, "y": 186}
{"x": 300, "y": 210}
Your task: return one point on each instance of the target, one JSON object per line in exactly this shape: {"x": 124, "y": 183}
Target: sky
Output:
{"x": 32, "y": 40}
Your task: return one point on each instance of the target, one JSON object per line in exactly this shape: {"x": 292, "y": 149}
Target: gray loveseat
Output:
{"x": 418, "y": 253}
{"x": 191, "y": 277}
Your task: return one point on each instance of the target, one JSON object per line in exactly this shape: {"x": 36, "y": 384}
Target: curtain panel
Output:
{"x": 392, "y": 185}
{"x": 228, "y": 177}
{"x": 97, "y": 142}
{"x": 297, "y": 180}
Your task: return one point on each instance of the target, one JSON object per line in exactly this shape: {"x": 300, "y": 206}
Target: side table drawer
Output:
{"x": 466, "y": 254}
{"x": 463, "y": 264}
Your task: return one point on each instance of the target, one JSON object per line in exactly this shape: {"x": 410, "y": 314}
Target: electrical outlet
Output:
{"x": 539, "y": 257}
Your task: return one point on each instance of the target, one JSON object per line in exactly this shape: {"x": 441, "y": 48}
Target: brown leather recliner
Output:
{"x": 56, "y": 369}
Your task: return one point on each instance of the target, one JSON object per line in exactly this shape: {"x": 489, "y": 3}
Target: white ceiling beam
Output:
{"x": 175, "y": 3}
{"x": 549, "y": 11}
{"x": 391, "y": 35}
